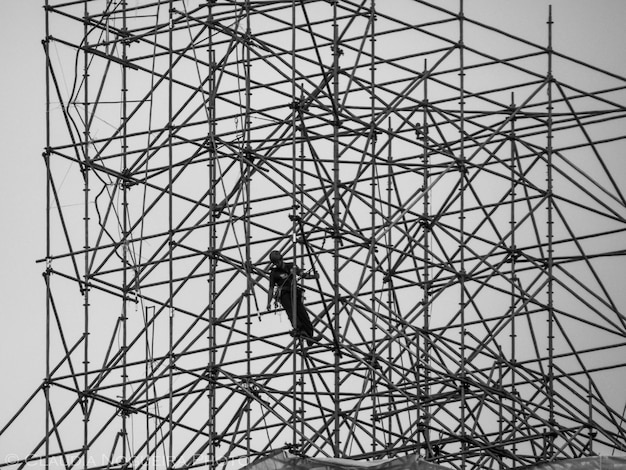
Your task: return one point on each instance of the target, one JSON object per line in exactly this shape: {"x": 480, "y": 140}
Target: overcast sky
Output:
{"x": 591, "y": 30}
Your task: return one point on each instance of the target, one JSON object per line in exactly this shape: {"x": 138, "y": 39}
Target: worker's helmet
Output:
{"x": 276, "y": 257}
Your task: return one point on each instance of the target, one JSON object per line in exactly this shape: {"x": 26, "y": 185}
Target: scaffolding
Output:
{"x": 458, "y": 192}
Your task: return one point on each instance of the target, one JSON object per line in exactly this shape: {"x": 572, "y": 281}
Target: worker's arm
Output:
{"x": 270, "y": 292}
{"x": 305, "y": 274}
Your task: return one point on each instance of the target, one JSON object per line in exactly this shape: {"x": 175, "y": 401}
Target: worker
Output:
{"x": 281, "y": 283}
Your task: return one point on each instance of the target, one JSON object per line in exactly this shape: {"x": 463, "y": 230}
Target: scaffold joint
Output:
{"x": 211, "y": 372}
{"x": 425, "y": 222}
{"x": 48, "y": 271}
{"x": 420, "y": 131}
{"x": 248, "y": 155}
{"x": 293, "y": 449}
{"x": 299, "y": 104}
{"x": 218, "y": 209}
{"x": 461, "y": 166}
{"x": 513, "y": 254}
{"x": 374, "y": 133}
{"x": 552, "y": 433}
{"x": 216, "y": 438}
{"x": 336, "y": 234}
{"x": 372, "y": 361}
{"x": 338, "y": 51}
{"x": 125, "y": 408}
{"x": 126, "y": 180}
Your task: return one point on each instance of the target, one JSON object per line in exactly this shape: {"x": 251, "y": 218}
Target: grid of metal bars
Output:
{"x": 458, "y": 191}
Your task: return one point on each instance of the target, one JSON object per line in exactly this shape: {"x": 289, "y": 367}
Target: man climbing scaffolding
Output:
{"x": 281, "y": 285}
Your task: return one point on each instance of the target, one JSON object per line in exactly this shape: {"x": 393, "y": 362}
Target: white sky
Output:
{"x": 591, "y": 30}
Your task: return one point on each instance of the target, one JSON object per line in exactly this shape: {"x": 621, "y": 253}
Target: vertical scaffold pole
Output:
{"x": 47, "y": 272}
{"x": 212, "y": 297}
{"x": 373, "y": 193}
{"x": 336, "y": 230}
{"x": 246, "y": 174}
{"x": 550, "y": 394}
{"x": 170, "y": 228}
{"x": 514, "y": 280}
{"x": 391, "y": 307}
{"x": 125, "y": 236}
{"x": 295, "y": 406}
{"x": 302, "y": 251}
{"x": 462, "y": 186}
{"x": 86, "y": 215}
{"x": 425, "y": 415}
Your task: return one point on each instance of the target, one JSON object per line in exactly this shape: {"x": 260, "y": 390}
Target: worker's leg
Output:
{"x": 285, "y": 301}
{"x": 304, "y": 323}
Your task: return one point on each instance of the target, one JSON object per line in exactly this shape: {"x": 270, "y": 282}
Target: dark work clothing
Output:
{"x": 280, "y": 277}
{"x": 303, "y": 324}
